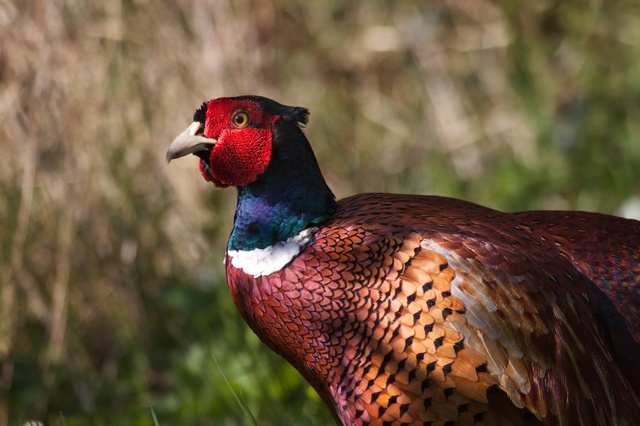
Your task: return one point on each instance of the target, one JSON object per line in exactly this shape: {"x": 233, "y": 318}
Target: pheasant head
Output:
{"x": 256, "y": 145}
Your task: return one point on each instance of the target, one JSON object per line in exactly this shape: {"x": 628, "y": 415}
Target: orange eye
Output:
{"x": 240, "y": 119}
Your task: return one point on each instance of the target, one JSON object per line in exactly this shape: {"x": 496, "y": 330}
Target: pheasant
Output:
{"x": 405, "y": 309}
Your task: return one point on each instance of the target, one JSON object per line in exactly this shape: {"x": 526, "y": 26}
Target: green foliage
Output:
{"x": 113, "y": 305}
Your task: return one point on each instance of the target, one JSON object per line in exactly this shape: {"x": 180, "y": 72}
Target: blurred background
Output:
{"x": 113, "y": 304}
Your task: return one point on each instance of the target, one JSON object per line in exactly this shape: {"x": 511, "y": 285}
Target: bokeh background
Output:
{"x": 113, "y": 304}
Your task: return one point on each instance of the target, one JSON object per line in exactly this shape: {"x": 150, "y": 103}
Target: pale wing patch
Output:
{"x": 259, "y": 262}
{"x": 487, "y": 334}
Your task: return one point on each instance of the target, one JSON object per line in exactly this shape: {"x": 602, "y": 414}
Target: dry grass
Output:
{"x": 105, "y": 252}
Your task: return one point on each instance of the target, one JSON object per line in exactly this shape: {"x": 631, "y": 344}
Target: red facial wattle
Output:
{"x": 240, "y": 155}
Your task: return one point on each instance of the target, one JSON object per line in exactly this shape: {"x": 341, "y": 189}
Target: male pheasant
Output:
{"x": 403, "y": 309}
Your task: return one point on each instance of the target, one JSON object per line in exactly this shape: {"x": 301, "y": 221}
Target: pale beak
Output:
{"x": 189, "y": 141}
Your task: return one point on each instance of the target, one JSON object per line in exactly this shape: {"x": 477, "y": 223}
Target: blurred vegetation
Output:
{"x": 113, "y": 305}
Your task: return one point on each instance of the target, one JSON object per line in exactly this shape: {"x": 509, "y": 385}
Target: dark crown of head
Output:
{"x": 289, "y": 113}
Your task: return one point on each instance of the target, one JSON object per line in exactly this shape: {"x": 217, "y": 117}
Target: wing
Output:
{"x": 606, "y": 249}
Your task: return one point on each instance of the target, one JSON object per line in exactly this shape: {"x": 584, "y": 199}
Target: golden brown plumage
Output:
{"x": 426, "y": 310}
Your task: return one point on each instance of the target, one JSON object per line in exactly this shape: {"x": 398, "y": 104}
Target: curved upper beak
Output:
{"x": 189, "y": 141}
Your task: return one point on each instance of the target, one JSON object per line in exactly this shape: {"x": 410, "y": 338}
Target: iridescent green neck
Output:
{"x": 290, "y": 196}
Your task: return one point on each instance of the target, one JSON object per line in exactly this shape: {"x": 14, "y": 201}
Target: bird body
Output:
{"x": 404, "y": 309}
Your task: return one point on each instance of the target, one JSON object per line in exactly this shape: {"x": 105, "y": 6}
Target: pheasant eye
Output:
{"x": 240, "y": 119}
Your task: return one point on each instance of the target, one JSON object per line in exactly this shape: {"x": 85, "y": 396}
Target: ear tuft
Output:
{"x": 298, "y": 114}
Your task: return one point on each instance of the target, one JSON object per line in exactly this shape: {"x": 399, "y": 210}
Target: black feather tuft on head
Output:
{"x": 201, "y": 113}
{"x": 298, "y": 114}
